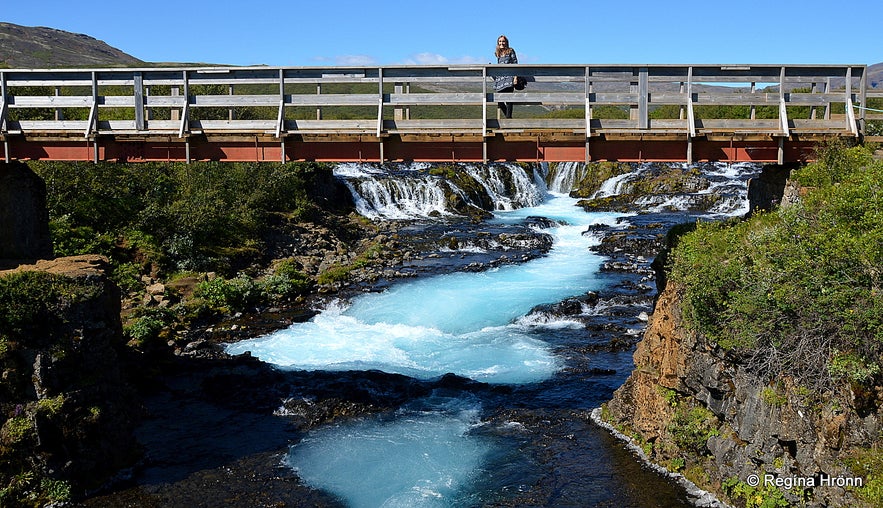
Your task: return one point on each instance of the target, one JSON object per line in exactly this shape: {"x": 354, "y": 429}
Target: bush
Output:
{"x": 229, "y": 295}
{"x": 286, "y": 283}
{"x": 868, "y": 464}
{"x": 787, "y": 289}
{"x": 765, "y": 496}
{"x": 203, "y": 211}
{"x": 691, "y": 428}
{"x": 29, "y": 302}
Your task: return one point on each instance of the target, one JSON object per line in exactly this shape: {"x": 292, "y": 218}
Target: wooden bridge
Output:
{"x": 762, "y": 113}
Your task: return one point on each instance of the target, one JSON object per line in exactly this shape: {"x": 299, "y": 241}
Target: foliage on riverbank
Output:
{"x": 798, "y": 291}
{"x": 65, "y": 412}
{"x": 160, "y": 217}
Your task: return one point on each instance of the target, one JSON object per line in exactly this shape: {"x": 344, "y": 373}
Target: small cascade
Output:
{"x": 413, "y": 192}
{"x": 614, "y": 186}
{"x": 508, "y": 185}
{"x": 565, "y": 177}
{"x": 730, "y": 183}
{"x": 720, "y": 191}
{"x": 398, "y": 198}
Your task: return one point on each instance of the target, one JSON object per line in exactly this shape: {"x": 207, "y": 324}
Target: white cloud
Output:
{"x": 355, "y": 60}
{"x": 416, "y": 59}
{"x": 436, "y": 59}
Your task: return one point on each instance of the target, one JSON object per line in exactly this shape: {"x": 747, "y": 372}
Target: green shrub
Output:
{"x": 230, "y": 295}
{"x": 766, "y": 496}
{"x": 691, "y": 428}
{"x": 202, "y": 211}
{"x": 772, "y": 397}
{"x": 148, "y": 324}
{"x": 30, "y": 301}
{"x": 868, "y": 465}
{"x": 144, "y": 329}
{"x": 51, "y": 405}
{"x": 286, "y": 282}
{"x": 785, "y": 288}
{"x": 336, "y": 273}
{"x": 853, "y": 368}
{"x": 18, "y": 428}
{"x": 58, "y": 491}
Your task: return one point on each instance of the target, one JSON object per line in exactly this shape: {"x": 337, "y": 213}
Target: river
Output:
{"x": 524, "y": 437}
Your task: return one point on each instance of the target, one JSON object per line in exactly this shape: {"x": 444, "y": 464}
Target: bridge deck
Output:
{"x": 433, "y": 113}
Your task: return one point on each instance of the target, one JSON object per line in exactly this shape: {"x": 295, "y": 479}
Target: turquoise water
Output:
{"x": 417, "y": 459}
{"x": 464, "y": 323}
{"x": 461, "y": 323}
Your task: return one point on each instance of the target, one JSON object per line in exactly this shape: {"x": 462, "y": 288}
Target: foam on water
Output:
{"x": 457, "y": 323}
{"x": 422, "y": 458}
{"x": 465, "y": 323}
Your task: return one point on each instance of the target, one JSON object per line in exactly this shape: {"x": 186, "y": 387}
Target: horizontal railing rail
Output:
{"x": 415, "y": 102}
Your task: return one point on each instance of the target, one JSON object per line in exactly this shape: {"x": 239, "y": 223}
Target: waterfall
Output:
{"x": 508, "y": 185}
{"x": 398, "y": 198}
{"x": 565, "y": 176}
{"x": 413, "y": 192}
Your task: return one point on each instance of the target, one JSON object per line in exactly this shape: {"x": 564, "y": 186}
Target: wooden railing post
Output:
{"x": 691, "y": 120}
{"x": 398, "y": 113}
{"x": 484, "y": 105}
{"x": 138, "y": 95}
{"x": 588, "y": 89}
{"x": 380, "y": 111}
{"x": 4, "y": 108}
{"x": 863, "y": 100}
{"x": 92, "y": 124}
{"x": 643, "y": 98}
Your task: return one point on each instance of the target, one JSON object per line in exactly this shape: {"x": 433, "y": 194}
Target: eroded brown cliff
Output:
{"x": 697, "y": 410}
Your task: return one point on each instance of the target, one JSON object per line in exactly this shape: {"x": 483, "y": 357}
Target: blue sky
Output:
{"x": 346, "y": 32}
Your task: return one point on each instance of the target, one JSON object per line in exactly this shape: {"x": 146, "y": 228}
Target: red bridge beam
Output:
{"x": 394, "y": 149}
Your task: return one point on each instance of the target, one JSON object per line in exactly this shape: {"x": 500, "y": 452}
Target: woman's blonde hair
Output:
{"x": 500, "y": 52}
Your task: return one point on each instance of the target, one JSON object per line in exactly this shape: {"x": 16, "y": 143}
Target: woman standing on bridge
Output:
{"x": 505, "y": 84}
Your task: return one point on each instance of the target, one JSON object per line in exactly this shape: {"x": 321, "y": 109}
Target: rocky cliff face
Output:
{"x": 696, "y": 410}
{"x": 67, "y": 412}
{"x": 24, "y": 230}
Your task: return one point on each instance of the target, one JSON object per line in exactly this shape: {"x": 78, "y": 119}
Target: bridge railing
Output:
{"x": 574, "y": 102}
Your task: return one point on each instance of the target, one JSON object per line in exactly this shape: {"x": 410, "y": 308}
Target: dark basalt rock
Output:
{"x": 24, "y": 219}
{"x": 68, "y": 409}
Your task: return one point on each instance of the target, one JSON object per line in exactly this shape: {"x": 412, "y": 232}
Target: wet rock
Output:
{"x": 569, "y": 307}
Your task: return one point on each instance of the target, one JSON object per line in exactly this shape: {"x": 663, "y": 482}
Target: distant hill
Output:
{"x": 875, "y": 75}
{"x": 26, "y": 47}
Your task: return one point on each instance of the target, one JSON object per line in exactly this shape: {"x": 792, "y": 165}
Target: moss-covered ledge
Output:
{"x": 66, "y": 409}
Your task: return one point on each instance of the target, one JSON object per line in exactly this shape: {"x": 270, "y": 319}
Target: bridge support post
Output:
{"x": 781, "y": 155}
{"x": 174, "y": 114}
{"x": 689, "y": 150}
{"x": 138, "y": 91}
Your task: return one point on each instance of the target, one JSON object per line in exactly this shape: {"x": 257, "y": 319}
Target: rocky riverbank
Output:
{"x": 697, "y": 408}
